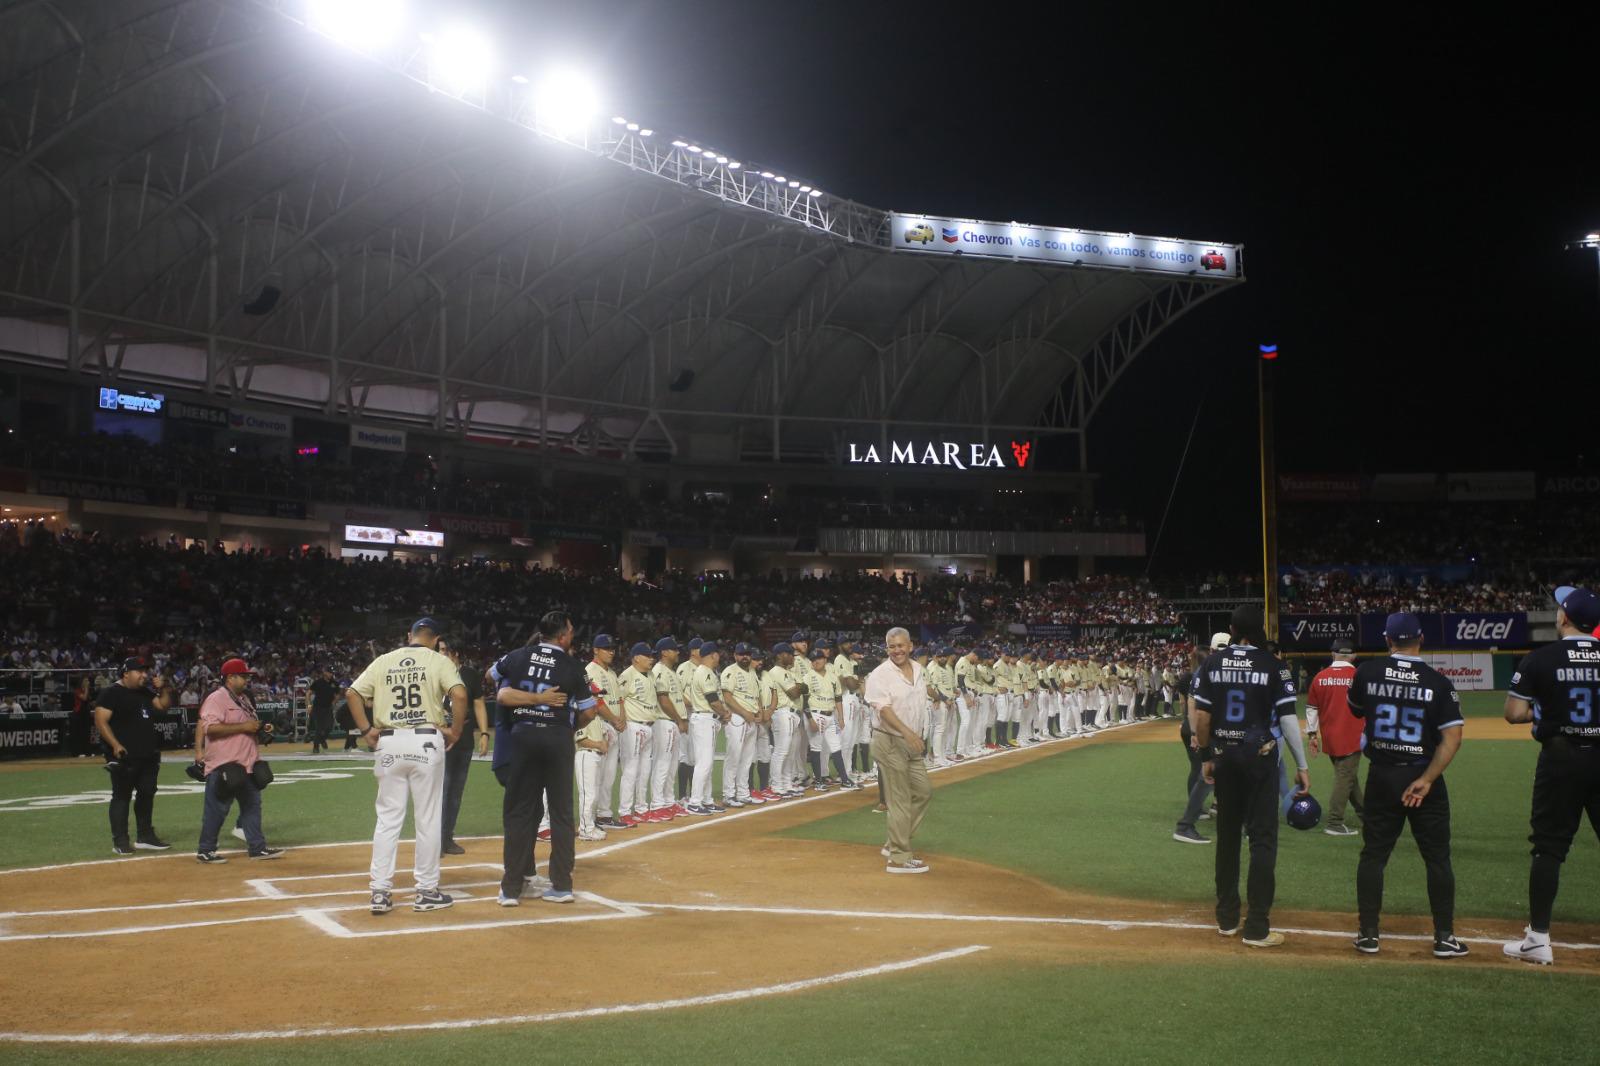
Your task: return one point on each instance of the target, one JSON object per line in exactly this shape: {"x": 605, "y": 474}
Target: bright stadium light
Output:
{"x": 565, "y": 102}
{"x": 633, "y": 127}
{"x": 767, "y": 174}
{"x": 709, "y": 153}
{"x": 646, "y": 133}
{"x": 805, "y": 188}
{"x": 794, "y": 185}
{"x": 695, "y": 149}
{"x": 680, "y": 144}
{"x": 816, "y": 192}
{"x": 459, "y": 61}
{"x": 735, "y": 165}
{"x": 361, "y": 24}
{"x": 722, "y": 159}
{"x": 619, "y": 120}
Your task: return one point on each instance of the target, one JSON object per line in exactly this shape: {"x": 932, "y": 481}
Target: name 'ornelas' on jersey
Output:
{"x": 1243, "y": 687}
{"x": 1562, "y": 681}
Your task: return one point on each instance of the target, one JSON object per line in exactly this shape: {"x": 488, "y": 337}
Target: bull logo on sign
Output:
{"x": 1021, "y": 452}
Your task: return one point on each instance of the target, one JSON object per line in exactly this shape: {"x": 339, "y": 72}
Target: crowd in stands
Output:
{"x": 1496, "y": 536}
{"x": 1339, "y": 592}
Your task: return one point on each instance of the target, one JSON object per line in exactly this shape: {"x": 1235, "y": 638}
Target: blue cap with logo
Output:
{"x": 640, "y": 648}
{"x": 824, "y": 643}
{"x": 708, "y": 647}
{"x": 425, "y": 623}
{"x": 742, "y": 648}
{"x": 604, "y": 640}
{"x": 819, "y": 653}
{"x": 1581, "y": 606}
{"x": 1403, "y": 626}
{"x": 947, "y": 650}
{"x": 783, "y": 648}
{"x": 695, "y": 642}
{"x": 799, "y": 636}
{"x": 667, "y": 644}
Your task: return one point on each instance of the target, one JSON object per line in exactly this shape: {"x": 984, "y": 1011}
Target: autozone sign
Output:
{"x": 944, "y": 453}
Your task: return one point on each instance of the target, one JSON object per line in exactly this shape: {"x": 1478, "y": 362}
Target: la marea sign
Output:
{"x": 945, "y": 453}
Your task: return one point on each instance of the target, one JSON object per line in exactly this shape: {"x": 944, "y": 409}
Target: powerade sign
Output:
{"x": 1316, "y": 632}
{"x": 932, "y": 235}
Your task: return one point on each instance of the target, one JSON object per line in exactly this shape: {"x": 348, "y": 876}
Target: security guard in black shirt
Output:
{"x": 540, "y": 761}
{"x": 133, "y": 751}
{"x": 1557, "y": 688}
{"x": 1413, "y": 730}
{"x": 1244, "y": 707}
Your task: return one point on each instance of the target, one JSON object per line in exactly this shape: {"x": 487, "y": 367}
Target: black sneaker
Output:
{"x": 450, "y": 847}
{"x": 1367, "y": 944}
{"x": 382, "y": 903}
{"x": 210, "y": 858}
{"x": 431, "y": 901}
{"x": 121, "y": 847}
{"x": 1448, "y": 947}
{"x": 151, "y": 842}
{"x": 268, "y": 853}
{"x": 609, "y": 824}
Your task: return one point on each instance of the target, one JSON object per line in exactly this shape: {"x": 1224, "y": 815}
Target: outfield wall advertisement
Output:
{"x": 934, "y": 235}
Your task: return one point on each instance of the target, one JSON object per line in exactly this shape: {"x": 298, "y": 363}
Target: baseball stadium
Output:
{"x": 613, "y": 599}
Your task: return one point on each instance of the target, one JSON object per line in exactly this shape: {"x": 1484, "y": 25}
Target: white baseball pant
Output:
{"x": 408, "y": 764}
{"x": 703, "y": 743}
{"x": 586, "y": 768}
{"x": 966, "y": 714}
{"x": 638, "y": 752}
{"x": 739, "y": 751}
{"x": 784, "y": 724}
{"x": 607, "y": 781}
{"x": 663, "y": 763}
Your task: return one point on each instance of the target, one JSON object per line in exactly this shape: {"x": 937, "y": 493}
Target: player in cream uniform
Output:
{"x": 685, "y": 671}
{"x": 407, "y": 689}
{"x": 1098, "y": 699}
{"x": 1028, "y": 705}
{"x": 593, "y": 741}
{"x": 967, "y": 737}
{"x": 641, "y": 708}
{"x": 1005, "y": 687}
{"x": 1124, "y": 690}
{"x": 983, "y": 680}
{"x": 783, "y": 690}
{"x": 741, "y": 701}
{"x": 822, "y": 697}
{"x": 855, "y": 732}
{"x": 1049, "y": 705}
{"x": 941, "y": 678}
{"x": 613, "y": 722}
{"x": 669, "y": 730}
{"x": 1169, "y": 690}
{"x": 706, "y": 713}
{"x": 1072, "y": 698}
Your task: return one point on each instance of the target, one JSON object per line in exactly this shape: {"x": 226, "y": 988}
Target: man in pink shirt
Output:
{"x": 225, "y": 748}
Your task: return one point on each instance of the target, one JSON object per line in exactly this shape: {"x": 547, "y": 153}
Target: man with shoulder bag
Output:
{"x": 227, "y": 758}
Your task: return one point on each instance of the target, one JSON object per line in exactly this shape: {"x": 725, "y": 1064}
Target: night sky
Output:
{"x": 1403, "y": 184}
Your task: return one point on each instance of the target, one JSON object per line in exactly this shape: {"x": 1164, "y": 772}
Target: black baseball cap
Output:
{"x": 1344, "y": 646}
{"x": 138, "y": 662}
{"x": 1403, "y": 625}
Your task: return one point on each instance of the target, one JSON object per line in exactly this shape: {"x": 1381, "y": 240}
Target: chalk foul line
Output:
{"x": 513, "y": 1019}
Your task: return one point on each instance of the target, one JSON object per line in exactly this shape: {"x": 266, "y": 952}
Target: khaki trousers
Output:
{"x": 905, "y": 785}
{"x": 1346, "y": 787}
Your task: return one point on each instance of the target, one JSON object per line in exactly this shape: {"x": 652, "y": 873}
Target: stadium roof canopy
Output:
{"x": 211, "y": 194}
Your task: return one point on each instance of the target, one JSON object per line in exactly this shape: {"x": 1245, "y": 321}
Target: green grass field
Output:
{"x": 1094, "y": 819}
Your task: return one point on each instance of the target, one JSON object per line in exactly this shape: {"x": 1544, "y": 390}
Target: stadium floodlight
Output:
{"x": 619, "y": 120}
{"x": 794, "y": 185}
{"x": 1592, "y": 237}
{"x": 680, "y": 144}
{"x": 767, "y": 174}
{"x": 459, "y": 61}
{"x": 633, "y": 127}
{"x": 780, "y": 179}
{"x": 722, "y": 159}
{"x": 646, "y": 133}
{"x": 694, "y": 149}
{"x": 816, "y": 192}
{"x": 565, "y": 102}
{"x": 709, "y": 153}
{"x": 360, "y": 24}
{"x": 735, "y": 165}
{"x": 805, "y": 188}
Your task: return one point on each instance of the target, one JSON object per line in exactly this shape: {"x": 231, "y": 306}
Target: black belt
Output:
{"x": 419, "y": 729}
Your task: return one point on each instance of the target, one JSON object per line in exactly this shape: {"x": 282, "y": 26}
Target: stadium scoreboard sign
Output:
{"x": 954, "y": 455}
{"x": 933, "y": 235}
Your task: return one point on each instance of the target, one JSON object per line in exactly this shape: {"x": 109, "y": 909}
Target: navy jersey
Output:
{"x": 1405, "y": 703}
{"x": 1562, "y": 681}
{"x": 537, "y": 668}
{"x": 1245, "y": 690}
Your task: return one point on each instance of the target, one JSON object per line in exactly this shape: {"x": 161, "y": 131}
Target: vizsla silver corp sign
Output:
{"x": 947, "y": 454}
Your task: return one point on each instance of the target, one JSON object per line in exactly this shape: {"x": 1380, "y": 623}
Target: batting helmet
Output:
{"x": 1305, "y": 812}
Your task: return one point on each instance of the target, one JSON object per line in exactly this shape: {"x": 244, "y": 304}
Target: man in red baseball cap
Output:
{"x": 225, "y": 747}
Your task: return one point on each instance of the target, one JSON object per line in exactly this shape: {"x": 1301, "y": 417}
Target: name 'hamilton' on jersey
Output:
{"x": 1243, "y": 687}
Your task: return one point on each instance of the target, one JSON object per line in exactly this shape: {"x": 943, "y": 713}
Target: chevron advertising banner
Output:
{"x": 934, "y": 235}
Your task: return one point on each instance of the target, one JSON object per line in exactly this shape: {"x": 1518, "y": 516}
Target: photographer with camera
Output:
{"x": 227, "y": 758}
{"x": 133, "y": 751}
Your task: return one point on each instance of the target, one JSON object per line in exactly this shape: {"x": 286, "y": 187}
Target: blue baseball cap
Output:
{"x": 824, "y": 643}
{"x": 918, "y": 650}
{"x": 604, "y": 640}
{"x": 947, "y": 650}
{"x": 1581, "y": 606}
{"x": 708, "y": 647}
{"x": 667, "y": 644}
{"x": 641, "y": 648}
{"x": 1402, "y": 625}
{"x": 783, "y": 648}
{"x": 799, "y": 636}
{"x": 696, "y": 642}
{"x": 742, "y": 648}
{"x": 819, "y": 653}
{"x": 425, "y": 623}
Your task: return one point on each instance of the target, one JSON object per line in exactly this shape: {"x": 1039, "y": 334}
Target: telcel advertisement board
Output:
{"x": 933, "y": 235}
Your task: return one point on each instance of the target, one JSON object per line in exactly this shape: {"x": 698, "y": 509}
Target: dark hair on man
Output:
{"x": 1249, "y": 622}
{"x": 553, "y": 624}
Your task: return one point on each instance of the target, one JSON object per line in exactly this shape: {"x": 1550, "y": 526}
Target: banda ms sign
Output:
{"x": 942, "y": 453}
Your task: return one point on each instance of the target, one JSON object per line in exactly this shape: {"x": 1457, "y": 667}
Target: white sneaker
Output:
{"x": 591, "y": 834}
{"x": 536, "y": 881}
{"x": 910, "y": 866}
{"x": 1533, "y": 947}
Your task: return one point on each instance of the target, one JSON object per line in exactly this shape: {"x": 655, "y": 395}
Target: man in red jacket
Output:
{"x": 1332, "y": 728}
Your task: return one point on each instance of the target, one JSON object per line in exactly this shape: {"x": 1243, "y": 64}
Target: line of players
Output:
{"x": 793, "y": 718}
